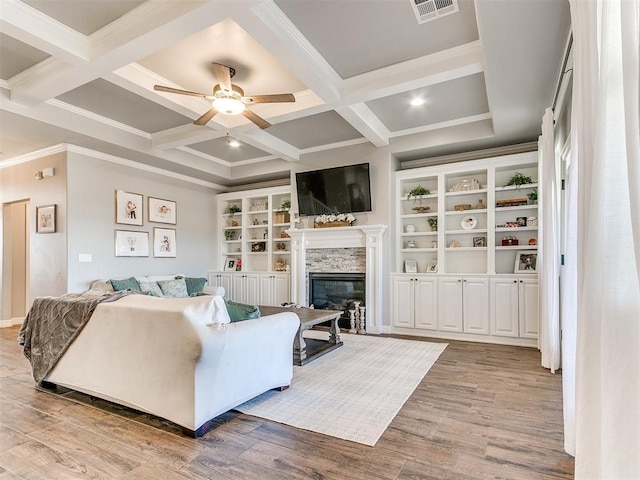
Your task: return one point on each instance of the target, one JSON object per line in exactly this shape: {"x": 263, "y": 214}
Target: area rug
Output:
{"x": 353, "y": 392}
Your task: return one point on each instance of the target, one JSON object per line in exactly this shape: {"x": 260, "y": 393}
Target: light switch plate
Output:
{"x": 85, "y": 258}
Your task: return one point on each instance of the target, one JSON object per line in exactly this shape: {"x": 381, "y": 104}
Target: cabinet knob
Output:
{"x": 521, "y": 281}
{"x": 515, "y": 281}
{"x": 459, "y": 280}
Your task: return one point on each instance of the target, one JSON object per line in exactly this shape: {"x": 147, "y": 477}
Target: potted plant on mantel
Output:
{"x": 282, "y": 215}
{"x": 417, "y": 193}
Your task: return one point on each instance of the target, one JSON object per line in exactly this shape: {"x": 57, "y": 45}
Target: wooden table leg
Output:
{"x": 299, "y": 348}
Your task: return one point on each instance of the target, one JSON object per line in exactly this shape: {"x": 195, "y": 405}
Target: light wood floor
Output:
{"x": 482, "y": 411}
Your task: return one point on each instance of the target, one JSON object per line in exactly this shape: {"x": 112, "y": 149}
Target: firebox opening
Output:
{"x": 337, "y": 291}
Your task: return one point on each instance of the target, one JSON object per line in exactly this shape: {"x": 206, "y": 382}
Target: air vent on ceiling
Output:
{"x": 427, "y": 10}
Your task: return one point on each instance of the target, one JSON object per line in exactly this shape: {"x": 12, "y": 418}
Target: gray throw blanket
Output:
{"x": 52, "y": 324}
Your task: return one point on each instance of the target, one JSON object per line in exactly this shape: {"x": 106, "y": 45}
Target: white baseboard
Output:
{"x": 11, "y": 322}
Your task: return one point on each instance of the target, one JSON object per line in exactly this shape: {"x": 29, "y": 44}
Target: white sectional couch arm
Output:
{"x": 213, "y": 290}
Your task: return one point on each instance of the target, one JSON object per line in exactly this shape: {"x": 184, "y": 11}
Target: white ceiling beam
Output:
{"x": 366, "y": 122}
{"x": 34, "y": 28}
{"x": 278, "y": 35}
{"x": 439, "y": 125}
{"x": 264, "y": 141}
{"x": 137, "y": 34}
{"x": 420, "y": 72}
{"x": 120, "y": 136}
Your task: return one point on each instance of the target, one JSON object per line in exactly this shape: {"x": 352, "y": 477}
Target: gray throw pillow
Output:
{"x": 152, "y": 287}
{"x": 174, "y": 288}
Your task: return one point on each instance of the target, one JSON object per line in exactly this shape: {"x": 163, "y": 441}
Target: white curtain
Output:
{"x": 549, "y": 254}
{"x": 606, "y": 152}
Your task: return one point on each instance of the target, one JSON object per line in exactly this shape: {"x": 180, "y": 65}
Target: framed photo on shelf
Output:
{"x": 161, "y": 211}
{"x": 46, "y": 219}
{"x": 164, "y": 242}
{"x": 131, "y": 244}
{"x": 410, "y": 266}
{"x": 432, "y": 266}
{"x": 479, "y": 242}
{"x": 230, "y": 264}
{"x": 526, "y": 262}
{"x": 128, "y": 208}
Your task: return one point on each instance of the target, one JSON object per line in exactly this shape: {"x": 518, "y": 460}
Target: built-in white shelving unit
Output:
{"x": 483, "y": 225}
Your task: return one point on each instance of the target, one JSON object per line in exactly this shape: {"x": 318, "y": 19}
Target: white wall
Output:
{"x": 91, "y": 209}
{"x": 47, "y": 252}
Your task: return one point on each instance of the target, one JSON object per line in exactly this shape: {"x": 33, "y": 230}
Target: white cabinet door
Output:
{"x": 475, "y": 305}
{"x": 281, "y": 289}
{"x": 236, "y": 292}
{"x": 274, "y": 289}
{"x": 529, "y": 313}
{"x": 251, "y": 289}
{"x": 504, "y": 307}
{"x": 425, "y": 294}
{"x": 450, "y": 304}
{"x": 403, "y": 302}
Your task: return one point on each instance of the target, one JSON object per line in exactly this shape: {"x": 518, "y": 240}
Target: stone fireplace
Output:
{"x": 323, "y": 249}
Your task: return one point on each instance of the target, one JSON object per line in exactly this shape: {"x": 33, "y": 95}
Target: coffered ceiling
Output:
{"x": 82, "y": 73}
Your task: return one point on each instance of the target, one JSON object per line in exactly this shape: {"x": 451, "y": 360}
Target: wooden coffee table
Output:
{"x": 307, "y": 349}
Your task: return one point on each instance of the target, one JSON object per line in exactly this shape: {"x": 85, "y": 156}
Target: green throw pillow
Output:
{"x": 195, "y": 285}
{"x": 126, "y": 284}
{"x": 241, "y": 311}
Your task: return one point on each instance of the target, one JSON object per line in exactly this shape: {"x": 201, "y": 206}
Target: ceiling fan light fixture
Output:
{"x": 228, "y": 105}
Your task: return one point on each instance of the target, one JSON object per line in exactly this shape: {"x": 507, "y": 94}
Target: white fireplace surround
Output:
{"x": 367, "y": 236}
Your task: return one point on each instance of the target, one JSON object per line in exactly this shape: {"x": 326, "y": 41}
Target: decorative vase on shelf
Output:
{"x": 410, "y": 228}
{"x": 480, "y": 205}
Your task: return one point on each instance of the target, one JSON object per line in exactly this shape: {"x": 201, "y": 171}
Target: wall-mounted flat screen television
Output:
{"x": 344, "y": 189}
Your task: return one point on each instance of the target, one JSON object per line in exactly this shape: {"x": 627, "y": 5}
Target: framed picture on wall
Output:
{"x": 161, "y": 211}
{"x": 526, "y": 262}
{"x": 128, "y": 208}
{"x": 131, "y": 244}
{"x": 46, "y": 219}
{"x": 164, "y": 242}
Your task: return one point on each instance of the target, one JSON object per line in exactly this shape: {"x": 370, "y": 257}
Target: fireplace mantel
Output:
{"x": 367, "y": 236}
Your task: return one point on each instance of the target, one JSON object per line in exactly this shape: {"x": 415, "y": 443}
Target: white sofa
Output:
{"x": 177, "y": 358}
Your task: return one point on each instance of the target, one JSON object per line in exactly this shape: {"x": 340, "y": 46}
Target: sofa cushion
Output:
{"x": 241, "y": 311}
{"x": 176, "y": 288}
{"x": 195, "y": 285}
{"x": 125, "y": 284}
{"x": 152, "y": 288}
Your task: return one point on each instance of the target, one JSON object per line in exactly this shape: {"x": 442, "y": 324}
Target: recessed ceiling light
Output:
{"x": 416, "y": 102}
{"x": 234, "y": 143}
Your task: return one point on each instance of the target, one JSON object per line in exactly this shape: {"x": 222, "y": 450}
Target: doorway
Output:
{"x": 15, "y": 260}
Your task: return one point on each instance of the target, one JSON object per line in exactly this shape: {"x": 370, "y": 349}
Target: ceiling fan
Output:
{"x": 229, "y": 98}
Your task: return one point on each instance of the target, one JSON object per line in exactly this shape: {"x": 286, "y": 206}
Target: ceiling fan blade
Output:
{"x": 259, "y": 121}
{"x": 160, "y": 88}
{"x": 223, "y": 75}
{"x": 277, "y": 98}
{"x": 204, "y": 119}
